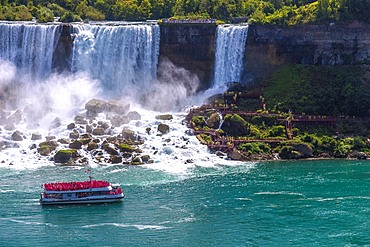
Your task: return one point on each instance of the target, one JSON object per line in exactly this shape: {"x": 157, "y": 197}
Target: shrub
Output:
{"x": 44, "y": 14}
{"x": 198, "y": 121}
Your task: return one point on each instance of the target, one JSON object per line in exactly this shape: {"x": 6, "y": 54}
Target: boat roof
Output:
{"x": 96, "y": 185}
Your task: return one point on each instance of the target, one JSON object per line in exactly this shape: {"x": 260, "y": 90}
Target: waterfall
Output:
{"x": 123, "y": 57}
{"x": 231, "y": 40}
{"x": 29, "y": 46}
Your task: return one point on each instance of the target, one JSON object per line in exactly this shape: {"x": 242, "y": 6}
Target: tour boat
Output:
{"x": 86, "y": 192}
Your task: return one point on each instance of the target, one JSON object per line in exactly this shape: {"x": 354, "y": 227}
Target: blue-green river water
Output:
{"x": 305, "y": 203}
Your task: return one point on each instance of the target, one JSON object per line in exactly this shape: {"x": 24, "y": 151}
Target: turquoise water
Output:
{"x": 306, "y": 203}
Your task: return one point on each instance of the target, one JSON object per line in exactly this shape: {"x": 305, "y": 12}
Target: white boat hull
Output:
{"x": 47, "y": 201}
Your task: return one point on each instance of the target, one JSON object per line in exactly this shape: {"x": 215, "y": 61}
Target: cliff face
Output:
{"x": 269, "y": 47}
{"x": 190, "y": 46}
{"x": 63, "y": 50}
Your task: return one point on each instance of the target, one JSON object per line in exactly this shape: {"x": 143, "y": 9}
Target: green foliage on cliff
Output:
{"x": 320, "y": 90}
{"x": 280, "y": 12}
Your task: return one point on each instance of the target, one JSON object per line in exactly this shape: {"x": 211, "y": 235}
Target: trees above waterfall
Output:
{"x": 280, "y": 12}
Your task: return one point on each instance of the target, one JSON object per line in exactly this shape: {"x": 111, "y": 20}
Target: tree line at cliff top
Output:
{"x": 276, "y": 12}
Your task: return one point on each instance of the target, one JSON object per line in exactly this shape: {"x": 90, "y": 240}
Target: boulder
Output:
{"x": 128, "y": 134}
{"x": 89, "y": 129}
{"x": 92, "y": 146}
{"x": 71, "y": 126}
{"x": 145, "y": 158}
{"x": 236, "y": 155}
{"x": 118, "y": 107}
{"x": 74, "y": 135}
{"x": 134, "y": 115}
{"x": 36, "y": 136}
{"x": 98, "y": 131}
{"x": 110, "y": 150}
{"x": 45, "y": 150}
{"x": 304, "y": 149}
{"x": 358, "y": 155}
{"x": 163, "y": 128}
{"x": 164, "y": 117}
{"x": 214, "y": 121}
{"x": 51, "y": 143}
{"x": 115, "y": 159}
{"x": 84, "y": 141}
{"x": 103, "y": 125}
{"x": 96, "y": 106}
{"x": 80, "y": 120}
{"x": 86, "y": 135}
{"x": 17, "y": 136}
{"x": 75, "y": 145}
{"x": 136, "y": 161}
{"x": 64, "y": 141}
{"x": 49, "y": 138}
{"x": 65, "y": 155}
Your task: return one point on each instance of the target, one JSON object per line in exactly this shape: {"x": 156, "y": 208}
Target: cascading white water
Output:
{"x": 29, "y": 46}
{"x": 230, "y": 47}
{"x": 124, "y": 58}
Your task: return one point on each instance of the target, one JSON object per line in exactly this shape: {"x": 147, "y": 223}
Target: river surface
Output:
{"x": 305, "y": 203}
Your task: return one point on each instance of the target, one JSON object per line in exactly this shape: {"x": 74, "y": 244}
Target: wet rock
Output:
{"x": 98, "y": 131}
{"x": 71, "y": 126}
{"x": 164, "y": 117}
{"x": 126, "y": 148}
{"x": 49, "y": 138}
{"x": 95, "y": 106}
{"x": 103, "y": 125}
{"x": 45, "y": 150}
{"x": 89, "y": 129}
{"x": 80, "y": 120}
{"x": 236, "y": 155}
{"x": 36, "y": 136}
{"x": 115, "y": 159}
{"x": 65, "y": 155}
{"x": 117, "y": 107}
{"x": 134, "y": 115}
{"x": 86, "y": 135}
{"x": 74, "y": 135}
{"x": 214, "y": 121}
{"x": 117, "y": 120}
{"x": 136, "y": 161}
{"x": 92, "y": 146}
{"x": 110, "y": 150}
{"x": 17, "y": 136}
{"x": 145, "y": 158}
{"x": 51, "y": 143}
{"x": 304, "y": 149}
{"x": 64, "y": 141}
{"x": 84, "y": 141}
{"x": 75, "y": 145}
{"x": 358, "y": 155}
{"x": 163, "y": 128}
{"x": 128, "y": 134}
{"x": 33, "y": 146}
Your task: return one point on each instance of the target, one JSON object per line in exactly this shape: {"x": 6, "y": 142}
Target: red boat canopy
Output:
{"x": 65, "y": 186}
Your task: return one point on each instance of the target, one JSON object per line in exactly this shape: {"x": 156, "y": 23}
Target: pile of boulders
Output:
{"x": 89, "y": 138}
